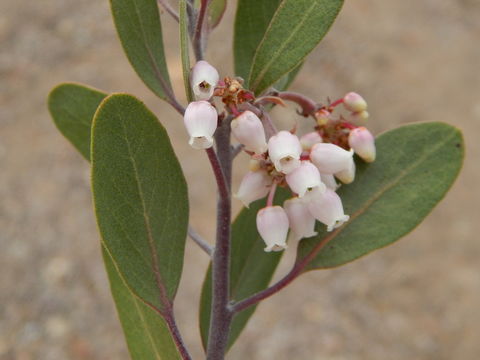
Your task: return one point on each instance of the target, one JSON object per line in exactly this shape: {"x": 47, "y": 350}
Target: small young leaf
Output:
{"x": 415, "y": 166}
{"x": 293, "y": 32}
{"x": 184, "y": 46}
{"x": 72, "y": 107}
{"x": 140, "y": 198}
{"x": 216, "y": 9}
{"x": 147, "y": 335}
{"x": 251, "y": 268}
{"x": 140, "y": 31}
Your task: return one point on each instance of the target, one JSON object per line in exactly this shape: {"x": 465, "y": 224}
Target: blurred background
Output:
{"x": 418, "y": 299}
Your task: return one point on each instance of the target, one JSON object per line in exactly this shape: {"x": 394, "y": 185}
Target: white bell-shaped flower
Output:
{"x": 330, "y": 158}
{"x": 248, "y": 129}
{"x": 203, "y": 79}
{"x": 200, "y": 119}
{"x": 305, "y": 178}
{"x": 284, "y": 150}
{"x": 329, "y": 181}
{"x": 255, "y": 185}
{"x": 272, "y": 225}
{"x": 354, "y": 102}
{"x": 302, "y": 223}
{"x": 328, "y": 209}
{"x": 309, "y": 139}
{"x": 347, "y": 175}
{"x": 363, "y": 143}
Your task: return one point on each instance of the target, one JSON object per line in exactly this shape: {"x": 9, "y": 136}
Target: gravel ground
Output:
{"x": 418, "y": 299}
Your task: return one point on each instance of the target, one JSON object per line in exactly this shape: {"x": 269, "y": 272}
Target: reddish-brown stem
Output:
{"x": 223, "y": 188}
{"x": 336, "y": 103}
{"x": 308, "y": 105}
{"x": 198, "y": 39}
{"x": 172, "y": 326}
{"x": 270, "y": 128}
{"x": 296, "y": 271}
{"x": 221, "y": 315}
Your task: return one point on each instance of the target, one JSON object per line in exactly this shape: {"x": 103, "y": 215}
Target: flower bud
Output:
{"x": 204, "y": 78}
{"x": 329, "y": 181}
{"x": 330, "y": 158}
{"x": 284, "y": 150}
{"x": 302, "y": 223}
{"x": 272, "y": 225}
{"x": 363, "y": 143}
{"x": 360, "y": 117}
{"x": 354, "y": 102}
{"x": 255, "y": 185}
{"x": 304, "y": 178}
{"x": 328, "y": 209}
{"x": 248, "y": 129}
{"x": 200, "y": 119}
{"x": 348, "y": 175}
{"x": 308, "y": 140}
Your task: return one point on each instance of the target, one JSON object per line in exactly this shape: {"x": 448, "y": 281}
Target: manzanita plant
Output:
{"x": 335, "y": 192}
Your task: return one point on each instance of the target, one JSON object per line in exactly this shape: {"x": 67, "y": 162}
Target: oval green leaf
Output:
{"x": 140, "y": 198}
{"x": 147, "y": 334}
{"x": 415, "y": 167}
{"x": 140, "y": 32}
{"x": 72, "y": 107}
{"x": 251, "y": 269}
{"x": 296, "y": 27}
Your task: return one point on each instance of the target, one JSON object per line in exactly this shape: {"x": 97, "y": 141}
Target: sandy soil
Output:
{"x": 412, "y": 60}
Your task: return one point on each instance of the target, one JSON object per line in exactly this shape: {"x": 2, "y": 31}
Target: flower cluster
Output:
{"x": 309, "y": 165}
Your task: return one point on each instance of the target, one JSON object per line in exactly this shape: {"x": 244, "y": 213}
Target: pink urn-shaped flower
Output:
{"x": 272, "y": 225}
{"x": 284, "y": 150}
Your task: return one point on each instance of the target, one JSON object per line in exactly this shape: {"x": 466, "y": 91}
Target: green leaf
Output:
{"x": 251, "y": 22}
{"x": 147, "y": 335}
{"x": 286, "y": 80}
{"x": 293, "y": 32}
{"x": 140, "y": 198}
{"x": 184, "y": 46}
{"x": 140, "y": 31}
{"x": 72, "y": 107}
{"x": 216, "y": 9}
{"x": 415, "y": 166}
{"x": 251, "y": 268}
